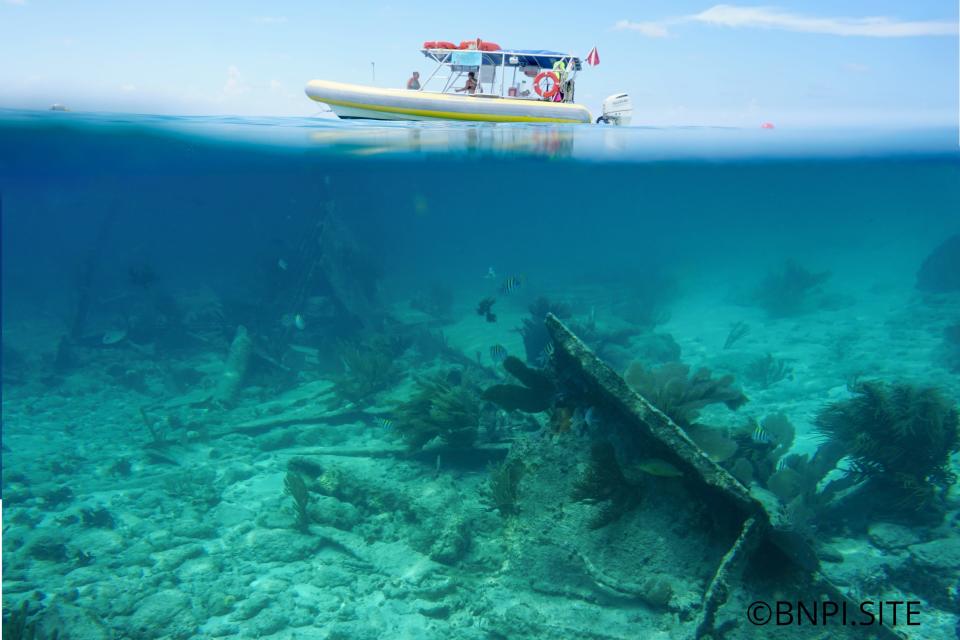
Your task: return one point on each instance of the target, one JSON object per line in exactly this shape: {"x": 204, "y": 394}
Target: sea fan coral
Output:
{"x": 767, "y": 370}
{"x": 787, "y": 292}
{"x": 672, "y": 389}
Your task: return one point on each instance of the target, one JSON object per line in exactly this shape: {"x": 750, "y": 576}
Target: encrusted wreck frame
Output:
{"x": 573, "y": 357}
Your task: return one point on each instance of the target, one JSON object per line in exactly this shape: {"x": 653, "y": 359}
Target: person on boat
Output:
{"x": 470, "y": 86}
{"x": 414, "y": 82}
{"x": 560, "y": 68}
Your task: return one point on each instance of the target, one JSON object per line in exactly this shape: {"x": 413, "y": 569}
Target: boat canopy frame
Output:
{"x": 460, "y": 61}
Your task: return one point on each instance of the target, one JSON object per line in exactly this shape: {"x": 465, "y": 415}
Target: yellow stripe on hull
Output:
{"x": 395, "y": 104}
{"x": 445, "y": 115}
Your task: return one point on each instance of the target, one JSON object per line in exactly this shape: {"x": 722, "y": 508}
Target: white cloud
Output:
{"x": 727, "y": 15}
{"x": 270, "y": 19}
{"x": 855, "y": 67}
{"x": 128, "y": 88}
{"x": 768, "y": 18}
{"x": 19, "y": 2}
{"x": 235, "y": 84}
{"x": 648, "y": 29}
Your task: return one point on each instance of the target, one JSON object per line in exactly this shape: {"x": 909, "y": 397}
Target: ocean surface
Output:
{"x": 291, "y": 378}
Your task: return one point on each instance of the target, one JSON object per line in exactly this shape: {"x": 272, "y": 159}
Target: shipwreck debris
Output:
{"x": 578, "y": 367}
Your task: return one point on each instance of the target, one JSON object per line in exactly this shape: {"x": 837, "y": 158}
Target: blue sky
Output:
{"x": 815, "y": 62}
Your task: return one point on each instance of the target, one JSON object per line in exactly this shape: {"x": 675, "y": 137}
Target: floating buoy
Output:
{"x": 767, "y": 125}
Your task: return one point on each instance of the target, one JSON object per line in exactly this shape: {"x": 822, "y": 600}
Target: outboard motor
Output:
{"x": 617, "y": 109}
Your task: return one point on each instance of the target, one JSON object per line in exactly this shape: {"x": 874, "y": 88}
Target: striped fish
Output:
{"x": 760, "y": 435}
{"x": 383, "y": 423}
{"x": 548, "y": 351}
{"x": 498, "y": 353}
{"x": 511, "y": 284}
{"x": 782, "y": 464}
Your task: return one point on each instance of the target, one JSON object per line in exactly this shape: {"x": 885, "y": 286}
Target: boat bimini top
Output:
{"x": 502, "y": 72}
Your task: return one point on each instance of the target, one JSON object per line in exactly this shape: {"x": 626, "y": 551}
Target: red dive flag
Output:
{"x": 593, "y": 58}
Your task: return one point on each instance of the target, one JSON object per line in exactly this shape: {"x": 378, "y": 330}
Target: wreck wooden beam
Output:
{"x": 730, "y": 567}
{"x": 571, "y": 351}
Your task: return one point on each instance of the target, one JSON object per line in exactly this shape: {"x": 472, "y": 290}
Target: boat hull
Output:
{"x": 357, "y": 101}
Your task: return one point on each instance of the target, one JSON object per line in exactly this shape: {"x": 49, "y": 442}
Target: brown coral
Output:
{"x": 672, "y": 389}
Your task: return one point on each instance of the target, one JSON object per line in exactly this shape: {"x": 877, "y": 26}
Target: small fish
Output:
{"x": 658, "y": 467}
{"x": 498, "y": 353}
{"x": 299, "y": 322}
{"x": 511, "y": 284}
{"x": 782, "y": 464}
{"x": 282, "y": 264}
{"x": 546, "y": 354}
{"x": 590, "y": 417}
{"x": 491, "y": 274}
{"x": 760, "y": 435}
{"x": 383, "y": 423}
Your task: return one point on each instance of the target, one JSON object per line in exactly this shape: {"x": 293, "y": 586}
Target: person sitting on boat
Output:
{"x": 470, "y": 86}
{"x": 413, "y": 83}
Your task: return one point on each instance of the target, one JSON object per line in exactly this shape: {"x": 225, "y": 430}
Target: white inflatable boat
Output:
{"x": 357, "y": 101}
{"x": 478, "y": 82}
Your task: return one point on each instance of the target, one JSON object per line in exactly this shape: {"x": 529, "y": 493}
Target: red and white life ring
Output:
{"x": 552, "y": 87}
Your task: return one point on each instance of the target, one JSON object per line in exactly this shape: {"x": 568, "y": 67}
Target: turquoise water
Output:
{"x": 247, "y": 391}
